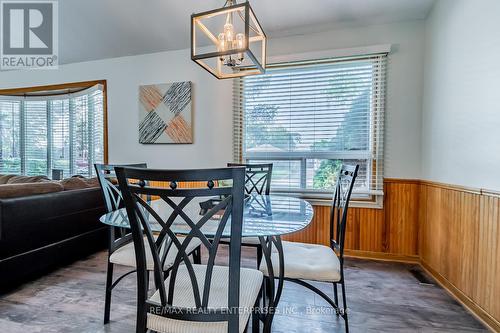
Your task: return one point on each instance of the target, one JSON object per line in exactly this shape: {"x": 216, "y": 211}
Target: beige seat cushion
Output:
{"x": 125, "y": 255}
{"x": 250, "y": 284}
{"x": 306, "y": 262}
{"x": 22, "y": 190}
{"x": 245, "y": 240}
{"x": 250, "y": 241}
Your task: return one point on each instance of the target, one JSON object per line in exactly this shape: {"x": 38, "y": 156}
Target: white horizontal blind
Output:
{"x": 10, "y": 137}
{"x": 41, "y": 133}
{"x": 60, "y": 135}
{"x": 307, "y": 119}
{"x": 35, "y": 137}
{"x": 96, "y": 126}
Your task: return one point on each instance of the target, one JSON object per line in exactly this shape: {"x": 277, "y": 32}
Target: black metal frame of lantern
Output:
{"x": 250, "y": 22}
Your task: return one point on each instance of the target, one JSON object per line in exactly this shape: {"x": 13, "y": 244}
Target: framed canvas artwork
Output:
{"x": 165, "y": 113}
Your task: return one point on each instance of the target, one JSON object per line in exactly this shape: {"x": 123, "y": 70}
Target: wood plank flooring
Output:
{"x": 382, "y": 297}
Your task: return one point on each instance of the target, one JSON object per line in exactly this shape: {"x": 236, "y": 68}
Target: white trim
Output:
{"x": 353, "y": 203}
{"x": 334, "y": 53}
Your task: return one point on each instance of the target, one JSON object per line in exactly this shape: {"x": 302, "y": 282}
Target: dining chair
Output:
{"x": 257, "y": 181}
{"x": 193, "y": 297}
{"x": 318, "y": 262}
{"x": 120, "y": 248}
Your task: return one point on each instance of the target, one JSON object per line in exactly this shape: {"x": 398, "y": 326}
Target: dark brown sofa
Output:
{"x": 46, "y": 224}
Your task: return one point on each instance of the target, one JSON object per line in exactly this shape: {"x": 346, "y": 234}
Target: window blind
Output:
{"x": 308, "y": 118}
{"x": 10, "y": 140}
{"x": 35, "y": 137}
{"x": 41, "y": 133}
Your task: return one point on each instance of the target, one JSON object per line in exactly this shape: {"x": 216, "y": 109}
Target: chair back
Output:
{"x": 257, "y": 177}
{"x": 177, "y": 203}
{"x": 113, "y": 201}
{"x": 340, "y": 204}
{"x": 109, "y": 184}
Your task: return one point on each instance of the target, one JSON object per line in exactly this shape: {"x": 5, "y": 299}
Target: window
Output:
{"x": 41, "y": 131}
{"x": 309, "y": 118}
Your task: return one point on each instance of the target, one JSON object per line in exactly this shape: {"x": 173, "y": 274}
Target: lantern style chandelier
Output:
{"x": 228, "y": 42}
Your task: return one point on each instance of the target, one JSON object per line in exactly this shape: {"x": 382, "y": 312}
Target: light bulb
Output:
{"x": 222, "y": 42}
{"x": 229, "y": 32}
{"x": 240, "y": 40}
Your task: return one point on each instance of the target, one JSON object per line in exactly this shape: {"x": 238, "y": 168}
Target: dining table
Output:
{"x": 267, "y": 217}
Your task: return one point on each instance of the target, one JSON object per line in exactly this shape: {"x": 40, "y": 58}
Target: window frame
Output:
{"x": 54, "y": 90}
{"x": 374, "y": 155}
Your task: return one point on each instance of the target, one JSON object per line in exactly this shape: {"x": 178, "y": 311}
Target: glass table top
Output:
{"x": 263, "y": 215}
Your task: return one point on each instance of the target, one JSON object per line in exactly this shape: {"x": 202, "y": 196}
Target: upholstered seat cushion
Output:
{"x": 245, "y": 241}
{"x": 125, "y": 255}
{"x": 250, "y": 284}
{"x": 306, "y": 262}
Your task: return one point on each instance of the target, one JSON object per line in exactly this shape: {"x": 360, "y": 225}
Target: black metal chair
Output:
{"x": 257, "y": 177}
{"x": 318, "y": 262}
{"x": 193, "y": 298}
{"x": 257, "y": 180}
{"x": 121, "y": 248}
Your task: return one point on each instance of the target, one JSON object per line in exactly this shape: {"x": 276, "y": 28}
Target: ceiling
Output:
{"x": 98, "y": 29}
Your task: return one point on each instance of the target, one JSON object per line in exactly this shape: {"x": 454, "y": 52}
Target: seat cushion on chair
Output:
{"x": 250, "y": 284}
{"x": 125, "y": 255}
{"x": 306, "y": 262}
{"x": 252, "y": 241}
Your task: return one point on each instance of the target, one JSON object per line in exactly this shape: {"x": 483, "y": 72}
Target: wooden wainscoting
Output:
{"x": 452, "y": 231}
{"x": 460, "y": 245}
{"x": 388, "y": 233}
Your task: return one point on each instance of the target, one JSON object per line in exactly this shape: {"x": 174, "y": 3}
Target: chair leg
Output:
{"x": 267, "y": 287}
{"x": 197, "y": 256}
{"x": 142, "y": 295}
{"x": 141, "y": 320}
{"x": 255, "y": 314}
{"x": 107, "y": 298}
{"x": 263, "y": 290}
{"x": 336, "y": 298}
{"x": 259, "y": 256}
{"x": 255, "y": 322}
{"x": 345, "y": 307}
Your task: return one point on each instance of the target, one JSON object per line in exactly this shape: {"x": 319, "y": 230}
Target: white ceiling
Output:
{"x": 98, "y": 29}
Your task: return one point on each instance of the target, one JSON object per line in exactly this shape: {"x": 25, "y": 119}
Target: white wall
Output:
{"x": 213, "y": 98}
{"x": 212, "y": 106}
{"x": 461, "y": 112}
{"x": 404, "y": 83}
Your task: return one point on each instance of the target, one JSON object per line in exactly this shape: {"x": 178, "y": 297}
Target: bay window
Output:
{"x": 57, "y": 129}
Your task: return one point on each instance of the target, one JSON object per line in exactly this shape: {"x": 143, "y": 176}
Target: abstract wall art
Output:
{"x": 165, "y": 113}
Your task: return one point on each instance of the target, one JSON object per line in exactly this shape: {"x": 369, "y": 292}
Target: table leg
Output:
{"x": 272, "y": 293}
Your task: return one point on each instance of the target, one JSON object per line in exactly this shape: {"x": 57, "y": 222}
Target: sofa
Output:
{"x": 45, "y": 224}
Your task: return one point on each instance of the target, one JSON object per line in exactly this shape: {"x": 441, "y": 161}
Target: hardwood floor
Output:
{"x": 382, "y": 296}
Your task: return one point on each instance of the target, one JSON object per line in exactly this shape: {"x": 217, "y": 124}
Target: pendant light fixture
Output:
{"x": 228, "y": 42}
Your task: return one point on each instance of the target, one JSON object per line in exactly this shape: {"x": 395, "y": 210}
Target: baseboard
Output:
{"x": 484, "y": 317}
{"x": 382, "y": 256}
